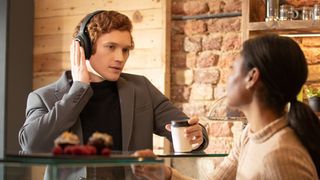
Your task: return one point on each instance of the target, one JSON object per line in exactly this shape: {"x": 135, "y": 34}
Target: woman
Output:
{"x": 281, "y": 140}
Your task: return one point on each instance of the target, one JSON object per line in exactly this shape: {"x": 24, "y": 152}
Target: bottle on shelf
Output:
{"x": 272, "y": 10}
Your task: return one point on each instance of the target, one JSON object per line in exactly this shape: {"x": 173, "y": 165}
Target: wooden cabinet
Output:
{"x": 253, "y": 23}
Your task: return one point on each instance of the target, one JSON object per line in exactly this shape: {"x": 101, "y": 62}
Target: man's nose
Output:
{"x": 120, "y": 56}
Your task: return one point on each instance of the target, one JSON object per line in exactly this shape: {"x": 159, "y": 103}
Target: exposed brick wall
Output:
{"x": 201, "y": 53}
{"x": 311, "y": 49}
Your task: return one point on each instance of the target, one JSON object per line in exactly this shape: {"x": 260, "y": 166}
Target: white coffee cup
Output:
{"x": 180, "y": 142}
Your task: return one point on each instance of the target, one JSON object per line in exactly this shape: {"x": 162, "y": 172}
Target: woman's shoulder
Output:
{"x": 288, "y": 154}
{"x": 287, "y": 138}
{"x": 286, "y": 142}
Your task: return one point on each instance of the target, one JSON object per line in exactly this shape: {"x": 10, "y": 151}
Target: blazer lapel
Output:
{"x": 126, "y": 95}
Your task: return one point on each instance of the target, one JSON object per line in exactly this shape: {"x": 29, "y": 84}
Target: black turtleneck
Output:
{"x": 102, "y": 113}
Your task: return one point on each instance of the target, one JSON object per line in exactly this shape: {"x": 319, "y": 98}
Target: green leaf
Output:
{"x": 311, "y": 92}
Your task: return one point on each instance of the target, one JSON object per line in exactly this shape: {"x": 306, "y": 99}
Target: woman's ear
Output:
{"x": 252, "y": 78}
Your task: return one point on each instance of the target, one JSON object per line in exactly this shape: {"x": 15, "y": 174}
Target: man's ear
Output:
{"x": 252, "y": 77}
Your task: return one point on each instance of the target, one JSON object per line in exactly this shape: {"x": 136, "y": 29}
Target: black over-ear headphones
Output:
{"x": 83, "y": 35}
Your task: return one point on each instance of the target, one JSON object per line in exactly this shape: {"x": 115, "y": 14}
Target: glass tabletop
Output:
{"x": 34, "y": 166}
{"x": 114, "y": 157}
{"x": 119, "y": 165}
{"x": 50, "y": 159}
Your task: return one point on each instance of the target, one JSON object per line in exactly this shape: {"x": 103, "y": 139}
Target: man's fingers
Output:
{"x": 77, "y": 53}
{"x": 72, "y": 53}
{"x": 193, "y": 120}
{"x": 193, "y": 134}
{"x": 144, "y": 153}
{"x": 192, "y": 129}
{"x": 82, "y": 59}
{"x": 196, "y": 140}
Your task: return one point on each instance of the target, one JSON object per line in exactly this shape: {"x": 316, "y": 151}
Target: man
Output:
{"x": 97, "y": 96}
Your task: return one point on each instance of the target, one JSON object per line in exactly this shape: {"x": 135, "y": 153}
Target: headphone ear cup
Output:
{"x": 83, "y": 36}
{"x": 85, "y": 43}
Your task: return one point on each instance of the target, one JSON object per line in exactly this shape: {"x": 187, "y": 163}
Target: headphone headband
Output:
{"x": 87, "y": 19}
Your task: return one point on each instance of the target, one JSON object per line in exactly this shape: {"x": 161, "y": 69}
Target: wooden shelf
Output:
{"x": 253, "y": 15}
{"x": 288, "y": 27}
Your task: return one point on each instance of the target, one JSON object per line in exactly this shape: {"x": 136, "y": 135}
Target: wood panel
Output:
{"x": 296, "y": 26}
{"x": 41, "y": 79}
{"x": 257, "y": 10}
{"x": 148, "y": 38}
{"x": 139, "y": 59}
{"x": 49, "y": 8}
{"x": 144, "y": 39}
{"x": 166, "y": 59}
{"x": 144, "y": 59}
{"x": 51, "y": 62}
{"x": 141, "y": 19}
{"x": 52, "y": 44}
{"x": 245, "y": 19}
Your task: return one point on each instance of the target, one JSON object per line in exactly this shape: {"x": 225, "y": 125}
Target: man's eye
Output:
{"x": 111, "y": 47}
{"x": 126, "y": 50}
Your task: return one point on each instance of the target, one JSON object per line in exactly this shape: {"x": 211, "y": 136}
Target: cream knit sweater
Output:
{"x": 274, "y": 153}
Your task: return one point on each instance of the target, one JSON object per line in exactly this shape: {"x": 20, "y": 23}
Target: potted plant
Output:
{"x": 313, "y": 95}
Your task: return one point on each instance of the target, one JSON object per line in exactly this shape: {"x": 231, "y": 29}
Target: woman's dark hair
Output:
{"x": 283, "y": 70}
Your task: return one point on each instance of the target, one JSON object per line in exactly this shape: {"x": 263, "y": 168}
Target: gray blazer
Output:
{"x": 55, "y": 108}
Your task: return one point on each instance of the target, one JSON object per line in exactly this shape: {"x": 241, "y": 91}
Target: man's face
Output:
{"x": 112, "y": 52}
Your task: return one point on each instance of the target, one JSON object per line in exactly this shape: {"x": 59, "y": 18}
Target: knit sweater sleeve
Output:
{"x": 288, "y": 163}
{"x": 178, "y": 176}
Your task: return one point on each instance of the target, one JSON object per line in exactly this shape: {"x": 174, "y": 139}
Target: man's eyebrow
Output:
{"x": 116, "y": 44}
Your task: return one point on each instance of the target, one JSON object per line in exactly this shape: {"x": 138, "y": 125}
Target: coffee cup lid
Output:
{"x": 180, "y": 123}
